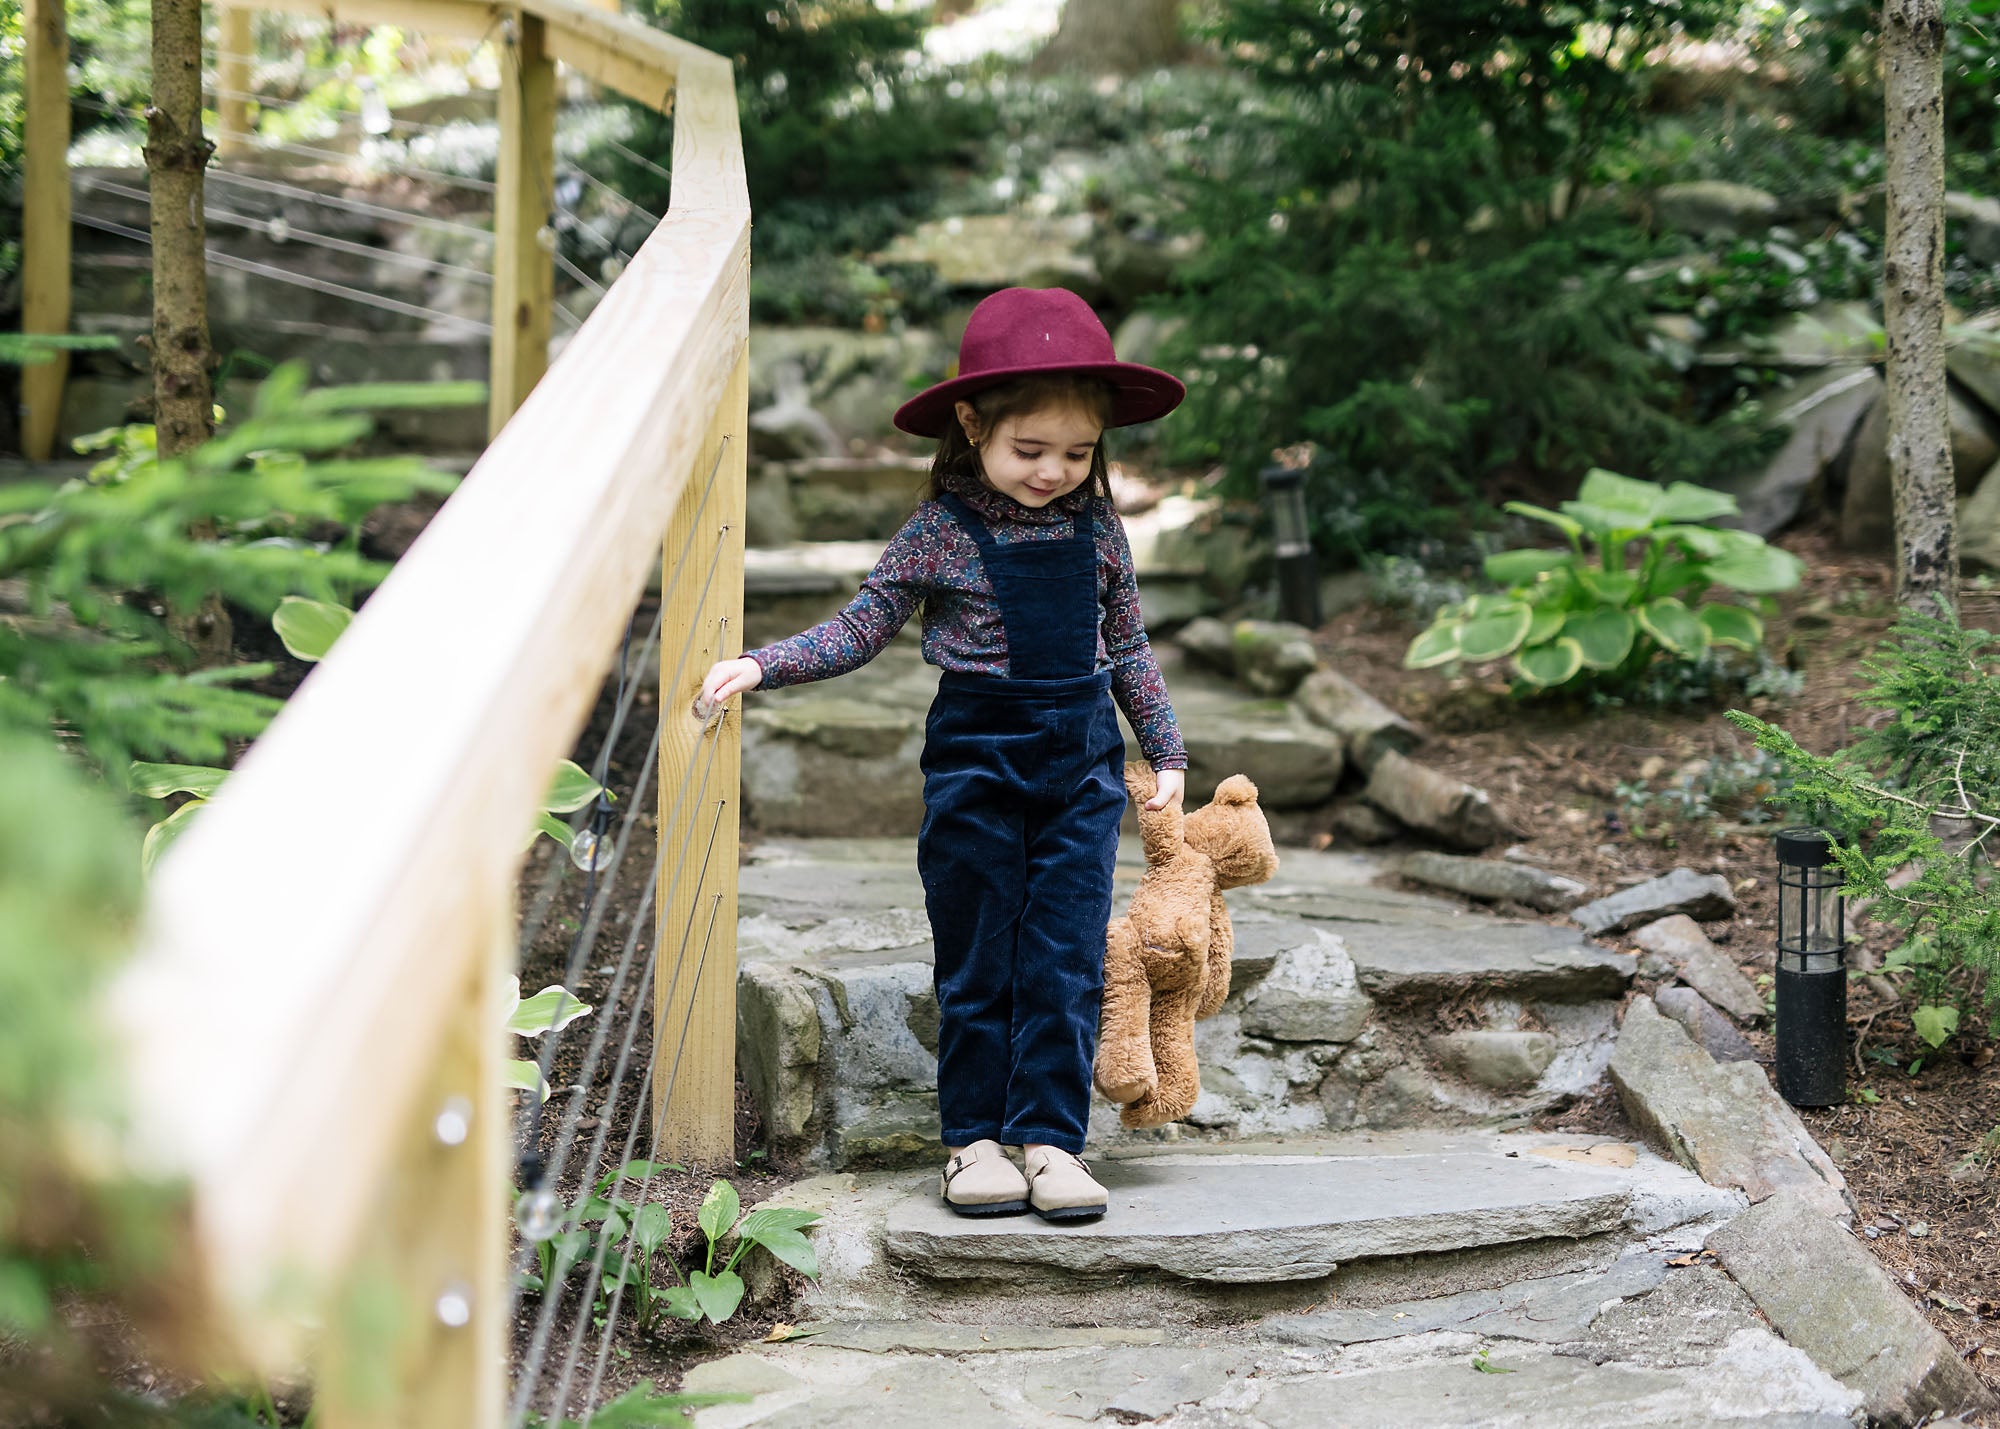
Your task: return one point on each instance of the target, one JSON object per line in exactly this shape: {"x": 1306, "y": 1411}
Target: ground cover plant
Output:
{"x": 1918, "y": 800}
{"x": 1629, "y": 590}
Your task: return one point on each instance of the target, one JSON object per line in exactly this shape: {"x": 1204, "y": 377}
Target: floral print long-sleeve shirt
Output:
{"x": 933, "y": 564}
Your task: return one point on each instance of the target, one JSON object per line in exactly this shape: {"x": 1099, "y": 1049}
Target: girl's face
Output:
{"x": 1037, "y": 457}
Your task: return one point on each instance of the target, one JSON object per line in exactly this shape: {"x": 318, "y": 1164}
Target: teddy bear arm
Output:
{"x": 1221, "y": 948}
{"x": 1178, "y": 1077}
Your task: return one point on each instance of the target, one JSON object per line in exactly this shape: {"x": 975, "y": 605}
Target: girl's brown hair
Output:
{"x": 956, "y": 454}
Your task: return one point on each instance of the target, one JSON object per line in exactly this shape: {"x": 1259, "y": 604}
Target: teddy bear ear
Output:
{"x": 1236, "y": 789}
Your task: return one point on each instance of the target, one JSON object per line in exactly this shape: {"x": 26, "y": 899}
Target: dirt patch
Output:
{"x": 1565, "y": 775}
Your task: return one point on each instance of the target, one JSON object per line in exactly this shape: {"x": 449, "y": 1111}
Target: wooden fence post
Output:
{"x": 232, "y": 81}
{"x": 415, "y": 1338}
{"x": 694, "y": 1018}
{"x": 44, "y": 219}
{"x": 523, "y": 206}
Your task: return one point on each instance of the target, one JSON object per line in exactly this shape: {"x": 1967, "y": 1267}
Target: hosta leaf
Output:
{"x": 1638, "y": 501}
{"x": 1542, "y": 628}
{"x": 309, "y": 627}
{"x": 651, "y": 1227}
{"x": 525, "y": 1077}
{"x": 1605, "y": 523}
{"x": 777, "y": 1218}
{"x": 1704, "y": 541}
{"x": 1674, "y": 626}
{"x": 1609, "y": 587}
{"x": 162, "y": 835}
{"x": 570, "y": 789}
{"x": 718, "y": 1295}
{"x": 157, "y": 781}
{"x": 1489, "y": 636}
{"x": 718, "y": 1210}
{"x": 1568, "y": 525}
{"x": 1684, "y": 501}
{"x": 1674, "y": 574}
{"x": 554, "y": 1007}
{"x": 1935, "y": 1024}
{"x": 681, "y": 1303}
{"x": 1551, "y": 664}
{"x": 793, "y": 1249}
{"x": 1732, "y": 625}
{"x": 1514, "y": 568}
{"x": 1756, "y": 570}
{"x": 1603, "y": 636}
{"x": 555, "y": 828}
{"x": 1436, "y": 646}
{"x": 1478, "y": 605}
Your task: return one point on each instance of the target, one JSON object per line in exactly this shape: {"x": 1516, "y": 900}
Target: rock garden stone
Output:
{"x": 1867, "y": 512}
{"x": 778, "y": 1046}
{"x": 1712, "y": 208}
{"x": 1699, "y": 895}
{"x": 1827, "y": 1295}
{"x": 1309, "y": 995}
{"x": 1725, "y": 1122}
{"x": 1364, "y": 824}
{"x": 1207, "y": 642}
{"x": 1368, "y": 726}
{"x": 1272, "y": 657}
{"x": 1004, "y": 250}
{"x": 1715, "y": 1034}
{"x": 1979, "y": 523}
{"x": 1293, "y": 762}
{"x": 1975, "y": 364}
{"x": 1448, "y": 809}
{"x": 1975, "y": 222}
{"x": 1687, "y": 951}
{"x": 1821, "y": 413}
{"x": 821, "y": 763}
{"x": 1495, "y": 881}
{"x": 1505, "y": 1061}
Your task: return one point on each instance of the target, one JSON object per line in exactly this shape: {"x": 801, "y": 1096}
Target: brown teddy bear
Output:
{"x": 1166, "y": 963}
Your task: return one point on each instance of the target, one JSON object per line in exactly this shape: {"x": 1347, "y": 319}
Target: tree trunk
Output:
{"x": 176, "y": 154}
{"x": 1913, "y": 306}
{"x": 1114, "y": 37}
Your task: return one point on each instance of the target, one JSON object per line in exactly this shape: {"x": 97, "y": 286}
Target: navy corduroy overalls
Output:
{"x": 1023, "y": 793}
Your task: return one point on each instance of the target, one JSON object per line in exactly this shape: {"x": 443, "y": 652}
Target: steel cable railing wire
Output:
{"x": 652, "y": 1152}
{"x": 594, "y": 1277}
{"x": 591, "y": 918}
{"x": 537, "y": 1352}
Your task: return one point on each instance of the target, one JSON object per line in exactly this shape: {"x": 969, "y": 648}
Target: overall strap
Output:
{"x": 969, "y": 519}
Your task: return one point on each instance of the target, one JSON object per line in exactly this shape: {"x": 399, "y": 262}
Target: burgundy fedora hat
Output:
{"x": 1019, "y": 332}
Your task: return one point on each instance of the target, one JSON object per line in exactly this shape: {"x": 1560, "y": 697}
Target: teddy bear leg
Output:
{"x": 1124, "y": 1071}
{"x": 1179, "y": 1080}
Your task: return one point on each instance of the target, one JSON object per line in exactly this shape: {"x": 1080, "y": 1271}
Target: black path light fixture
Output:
{"x": 1291, "y": 535}
{"x": 1812, "y": 970}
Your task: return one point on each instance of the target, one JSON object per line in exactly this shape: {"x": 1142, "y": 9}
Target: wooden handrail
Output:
{"x": 319, "y": 935}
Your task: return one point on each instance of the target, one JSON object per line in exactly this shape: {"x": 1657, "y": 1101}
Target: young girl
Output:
{"x": 1020, "y": 566}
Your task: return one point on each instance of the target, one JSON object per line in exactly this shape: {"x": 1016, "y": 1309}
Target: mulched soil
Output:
{"x": 1910, "y": 1140}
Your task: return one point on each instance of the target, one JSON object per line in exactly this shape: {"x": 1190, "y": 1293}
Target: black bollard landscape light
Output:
{"x": 1812, "y": 970}
{"x": 1298, "y": 572}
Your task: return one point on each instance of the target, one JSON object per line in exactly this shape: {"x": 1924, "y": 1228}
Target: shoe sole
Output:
{"x": 1070, "y": 1213}
{"x": 987, "y": 1208}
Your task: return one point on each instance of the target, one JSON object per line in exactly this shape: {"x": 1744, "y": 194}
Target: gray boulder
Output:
{"x": 1712, "y": 208}
{"x": 1495, "y": 881}
{"x": 1979, "y": 523}
{"x": 1724, "y": 1122}
{"x": 1821, "y": 412}
{"x": 1699, "y": 895}
{"x": 1679, "y": 943}
{"x": 1310, "y": 995}
{"x": 1505, "y": 1061}
{"x": 1715, "y": 1034}
{"x": 1826, "y": 1294}
{"x": 1368, "y": 727}
{"x": 1447, "y": 809}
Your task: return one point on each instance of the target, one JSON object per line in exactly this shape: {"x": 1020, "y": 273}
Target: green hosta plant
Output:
{"x": 1629, "y": 588}
{"x": 716, "y": 1293}
{"x": 549, "y": 1010}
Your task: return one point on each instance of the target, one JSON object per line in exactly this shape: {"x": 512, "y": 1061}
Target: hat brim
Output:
{"x": 1139, "y": 394}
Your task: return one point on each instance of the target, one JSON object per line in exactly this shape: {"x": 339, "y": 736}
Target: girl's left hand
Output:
{"x": 1172, "y": 788}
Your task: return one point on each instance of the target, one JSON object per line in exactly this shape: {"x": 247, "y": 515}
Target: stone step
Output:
{"x": 1333, "y": 1018}
{"x": 1287, "y": 1228}
{"x": 1302, "y": 1211}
